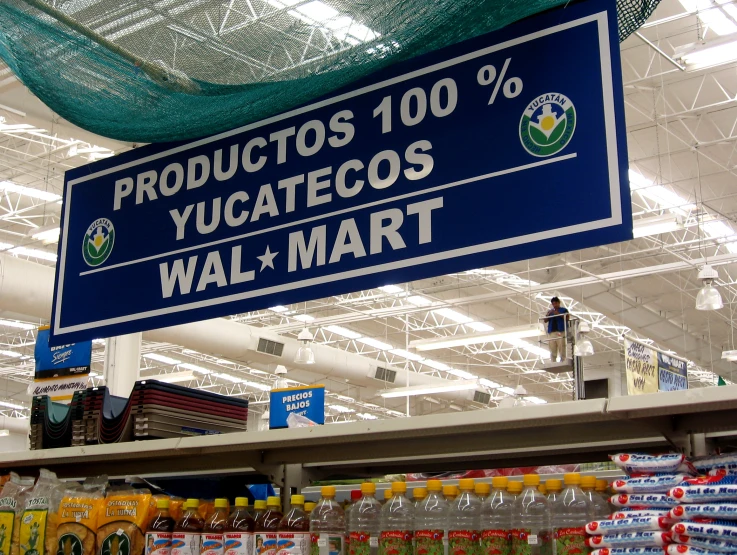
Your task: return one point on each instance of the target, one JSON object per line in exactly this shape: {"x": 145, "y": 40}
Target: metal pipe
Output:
{"x": 659, "y": 51}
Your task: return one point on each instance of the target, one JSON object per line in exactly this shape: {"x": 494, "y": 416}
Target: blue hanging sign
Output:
{"x": 672, "y": 373}
{"x": 501, "y": 148}
{"x": 62, "y": 360}
{"x": 307, "y": 401}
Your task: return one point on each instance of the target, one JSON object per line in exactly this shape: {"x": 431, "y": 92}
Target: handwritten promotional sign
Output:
{"x": 505, "y": 147}
{"x": 308, "y": 401}
{"x": 641, "y": 367}
{"x": 60, "y": 370}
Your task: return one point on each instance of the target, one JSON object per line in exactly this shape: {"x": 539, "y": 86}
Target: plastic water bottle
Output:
{"x": 364, "y": 522}
{"x": 531, "y": 533}
{"x": 514, "y": 489}
{"x": 496, "y": 519}
{"x": 397, "y": 523}
{"x": 482, "y": 490}
{"x": 571, "y": 511}
{"x": 431, "y": 522}
{"x": 327, "y": 525}
{"x": 355, "y": 496}
{"x": 464, "y": 519}
{"x": 418, "y": 494}
{"x": 554, "y": 488}
{"x": 600, "y": 508}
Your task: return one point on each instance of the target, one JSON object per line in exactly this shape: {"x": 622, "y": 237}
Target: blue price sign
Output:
{"x": 61, "y": 360}
{"x": 505, "y": 147}
{"x": 308, "y": 401}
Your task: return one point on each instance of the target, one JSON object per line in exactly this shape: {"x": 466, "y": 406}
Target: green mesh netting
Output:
{"x": 151, "y": 71}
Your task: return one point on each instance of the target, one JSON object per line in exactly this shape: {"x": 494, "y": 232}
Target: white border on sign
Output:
{"x": 600, "y": 18}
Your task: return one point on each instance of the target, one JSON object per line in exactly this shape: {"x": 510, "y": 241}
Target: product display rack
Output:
{"x": 560, "y": 433}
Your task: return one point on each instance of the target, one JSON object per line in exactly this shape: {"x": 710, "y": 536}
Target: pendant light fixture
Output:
{"x": 304, "y": 353}
{"x": 708, "y": 297}
{"x": 583, "y": 347}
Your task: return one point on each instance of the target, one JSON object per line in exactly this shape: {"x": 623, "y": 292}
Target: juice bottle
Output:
{"x": 450, "y": 493}
{"x": 158, "y": 533}
{"x": 267, "y": 526}
{"x": 600, "y": 507}
{"x": 397, "y": 523}
{"x": 294, "y": 529}
{"x": 482, "y": 490}
{"x": 327, "y": 525}
{"x": 418, "y": 494}
{"x": 239, "y": 529}
{"x": 259, "y": 508}
{"x": 186, "y": 535}
{"x": 212, "y": 535}
{"x": 309, "y": 505}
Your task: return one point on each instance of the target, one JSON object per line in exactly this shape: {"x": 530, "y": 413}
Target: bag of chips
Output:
{"x": 40, "y": 516}
{"x": 121, "y": 524}
{"x": 12, "y": 500}
{"x": 638, "y": 463}
{"x": 78, "y": 513}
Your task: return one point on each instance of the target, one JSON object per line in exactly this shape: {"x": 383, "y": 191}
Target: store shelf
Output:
{"x": 580, "y": 431}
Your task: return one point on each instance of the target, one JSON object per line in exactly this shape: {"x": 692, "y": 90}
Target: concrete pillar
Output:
{"x": 122, "y": 363}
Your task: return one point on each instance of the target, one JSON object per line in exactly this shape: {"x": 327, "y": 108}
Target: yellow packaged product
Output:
{"x": 176, "y": 508}
{"x": 122, "y": 523}
{"x": 40, "y": 516}
{"x": 12, "y": 500}
{"x": 78, "y": 514}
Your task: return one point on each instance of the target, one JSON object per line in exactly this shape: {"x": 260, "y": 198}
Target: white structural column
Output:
{"x": 122, "y": 363}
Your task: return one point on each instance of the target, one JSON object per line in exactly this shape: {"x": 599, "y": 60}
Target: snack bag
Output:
{"x": 629, "y": 539}
{"x": 725, "y": 511}
{"x": 78, "y": 513}
{"x": 659, "y": 483}
{"x": 628, "y": 551}
{"x": 638, "y": 463}
{"x": 634, "y": 524}
{"x": 12, "y": 500}
{"x": 708, "y": 489}
{"x": 40, "y": 518}
{"x": 651, "y": 500}
{"x": 121, "y": 524}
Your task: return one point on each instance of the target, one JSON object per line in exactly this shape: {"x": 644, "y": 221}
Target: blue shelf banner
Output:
{"x": 308, "y": 401}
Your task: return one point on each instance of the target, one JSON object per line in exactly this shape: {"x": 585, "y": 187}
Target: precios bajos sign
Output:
{"x": 462, "y": 158}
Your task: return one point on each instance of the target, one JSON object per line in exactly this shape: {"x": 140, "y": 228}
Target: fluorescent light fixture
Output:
{"x": 11, "y": 405}
{"x": 418, "y": 300}
{"x": 19, "y": 325}
{"x": 279, "y": 309}
{"x": 712, "y": 53}
{"x": 663, "y": 196}
{"x": 489, "y": 383}
{"x": 162, "y": 358}
{"x": 9, "y": 187}
{"x": 407, "y": 355}
{"x": 535, "y": 400}
{"x": 462, "y": 374}
{"x": 529, "y": 347}
{"x": 195, "y": 368}
{"x": 436, "y": 364}
{"x": 507, "y": 390}
{"x": 11, "y": 354}
{"x": 99, "y": 342}
{"x": 722, "y": 232}
{"x": 455, "y": 385}
{"x": 33, "y": 253}
{"x": 4, "y": 432}
{"x": 479, "y": 326}
{"x": 175, "y": 377}
{"x": 48, "y": 234}
{"x": 341, "y": 409}
{"x": 367, "y": 416}
{"x": 343, "y": 331}
{"x": 517, "y": 332}
{"x": 712, "y": 16}
{"x": 453, "y": 315}
{"x": 225, "y": 361}
{"x": 391, "y": 289}
{"x": 304, "y": 318}
{"x": 656, "y": 225}
{"x": 729, "y": 355}
{"x": 375, "y": 343}
{"x": 256, "y": 385}
{"x": 93, "y": 375}
{"x": 228, "y": 377}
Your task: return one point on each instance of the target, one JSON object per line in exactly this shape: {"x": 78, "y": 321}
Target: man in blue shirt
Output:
{"x": 557, "y": 324}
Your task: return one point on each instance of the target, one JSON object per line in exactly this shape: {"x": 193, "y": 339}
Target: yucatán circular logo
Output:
{"x": 547, "y": 124}
{"x": 98, "y": 242}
